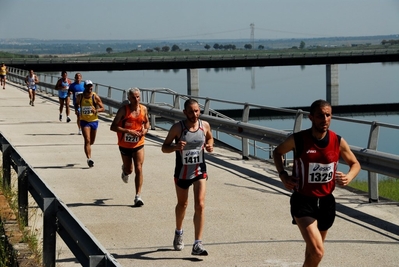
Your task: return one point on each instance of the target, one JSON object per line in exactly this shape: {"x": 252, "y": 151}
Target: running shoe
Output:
{"x": 138, "y": 202}
{"x": 30, "y": 102}
{"x": 90, "y": 163}
{"x": 80, "y": 132}
{"x": 125, "y": 177}
{"x": 60, "y": 118}
{"x": 178, "y": 243}
{"x": 199, "y": 250}
{"x": 68, "y": 119}
{"x": 33, "y": 104}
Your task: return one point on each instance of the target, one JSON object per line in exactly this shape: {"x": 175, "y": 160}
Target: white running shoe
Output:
{"x": 138, "y": 202}
{"x": 178, "y": 243}
{"x": 125, "y": 177}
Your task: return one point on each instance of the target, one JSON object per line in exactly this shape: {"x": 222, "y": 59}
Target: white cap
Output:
{"x": 88, "y": 82}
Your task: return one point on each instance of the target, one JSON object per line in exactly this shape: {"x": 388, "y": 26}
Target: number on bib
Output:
{"x": 86, "y": 110}
{"x": 131, "y": 139}
{"x": 191, "y": 157}
{"x": 320, "y": 173}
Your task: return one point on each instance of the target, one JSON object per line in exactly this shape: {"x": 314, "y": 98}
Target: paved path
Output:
{"x": 247, "y": 210}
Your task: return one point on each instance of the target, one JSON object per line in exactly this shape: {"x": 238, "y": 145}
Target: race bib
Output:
{"x": 320, "y": 173}
{"x": 86, "y": 110}
{"x": 131, "y": 139}
{"x": 192, "y": 156}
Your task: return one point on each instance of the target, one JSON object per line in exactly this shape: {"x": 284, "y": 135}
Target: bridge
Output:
{"x": 193, "y": 63}
{"x": 247, "y": 223}
{"x": 154, "y": 62}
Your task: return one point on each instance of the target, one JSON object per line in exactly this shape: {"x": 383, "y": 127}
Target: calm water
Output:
{"x": 283, "y": 87}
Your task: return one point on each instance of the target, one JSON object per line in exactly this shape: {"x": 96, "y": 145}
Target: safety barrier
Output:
{"x": 56, "y": 216}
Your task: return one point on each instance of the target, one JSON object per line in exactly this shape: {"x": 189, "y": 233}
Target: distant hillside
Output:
{"x": 78, "y": 47}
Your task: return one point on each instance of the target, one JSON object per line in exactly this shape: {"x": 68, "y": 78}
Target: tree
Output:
{"x": 302, "y": 45}
{"x": 109, "y": 50}
{"x": 216, "y": 46}
{"x": 157, "y": 48}
{"x": 248, "y": 46}
{"x": 165, "y": 48}
{"x": 207, "y": 46}
{"x": 175, "y": 48}
{"x": 261, "y": 47}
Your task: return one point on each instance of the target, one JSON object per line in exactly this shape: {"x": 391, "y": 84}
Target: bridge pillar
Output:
{"x": 192, "y": 82}
{"x": 332, "y": 84}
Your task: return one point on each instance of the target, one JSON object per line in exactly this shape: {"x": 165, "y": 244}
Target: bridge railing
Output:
{"x": 166, "y": 104}
{"x": 57, "y": 217}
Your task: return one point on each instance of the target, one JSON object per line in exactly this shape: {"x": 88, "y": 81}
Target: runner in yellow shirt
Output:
{"x": 88, "y": 105}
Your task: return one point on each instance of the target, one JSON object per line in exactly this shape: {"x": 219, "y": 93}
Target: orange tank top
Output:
{"x": 132, "y": 123}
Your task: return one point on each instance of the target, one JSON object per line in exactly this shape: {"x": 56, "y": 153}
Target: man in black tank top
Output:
{"x": 188, "y": 139}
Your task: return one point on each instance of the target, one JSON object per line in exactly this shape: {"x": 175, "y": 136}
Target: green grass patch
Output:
{"x": 387, "y": 187}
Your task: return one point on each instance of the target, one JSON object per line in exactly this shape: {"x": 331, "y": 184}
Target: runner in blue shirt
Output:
{"x": 77, "y": 87}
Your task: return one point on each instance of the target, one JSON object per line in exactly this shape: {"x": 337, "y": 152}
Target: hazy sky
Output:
{"x": 196, "y": 19}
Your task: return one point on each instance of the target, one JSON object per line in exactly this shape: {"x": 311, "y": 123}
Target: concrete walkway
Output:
{"x": 247, "y": 210}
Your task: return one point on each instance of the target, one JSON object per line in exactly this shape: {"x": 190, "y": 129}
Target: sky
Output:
{"x": 196, "y": 19}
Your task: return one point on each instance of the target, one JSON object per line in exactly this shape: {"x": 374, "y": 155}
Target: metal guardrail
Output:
{"x": 165, "y": 103}
{"x": 56, "y": 216}
{"x": 88, "y": 251}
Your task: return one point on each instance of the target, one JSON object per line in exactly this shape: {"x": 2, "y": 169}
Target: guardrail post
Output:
{"x": 298, "y": 121}
{"x": 152, "y": 116}
{"x": 245, "y": 141}
{"x": 124, "y": 96}
{"x": 176, "y": 102}
{"x": 206, "y": 106}
{"x": 109, "y": 95}
{"x": 97, "y": 260}
{"x": 23, "y": 194}
{"x": 52, "y": 82}
{"x": 49, "y": 231}
{"x": 6, "y": 149}
{"x": 45, "y": 80}
{"x": 372, "y": 176}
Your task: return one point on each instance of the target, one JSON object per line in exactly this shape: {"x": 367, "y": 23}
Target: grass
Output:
{"x": 212, "y": 52}
{"x": 28, "y": 236}
{"x": 387, "y": 187}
